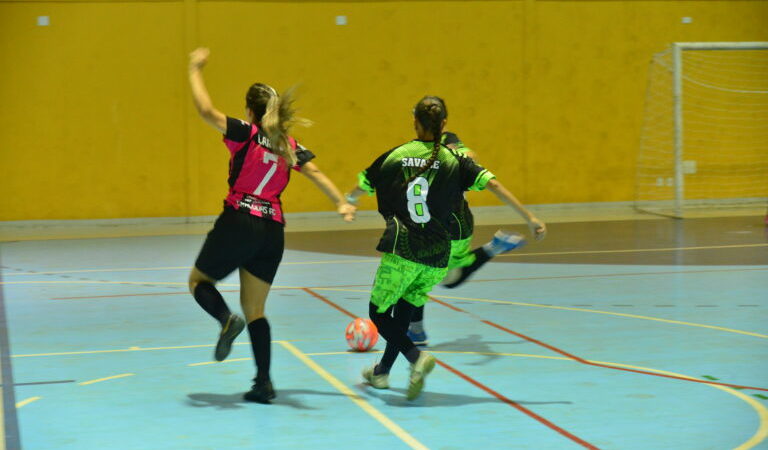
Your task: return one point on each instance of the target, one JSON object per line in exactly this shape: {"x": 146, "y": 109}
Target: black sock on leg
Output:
{"x": 261, "y": 343}
{"x": 393, "y": 330}
{"x": 418, "y": 314}
{"x": 209, "y": 298}
{"x": 412, "y": 355}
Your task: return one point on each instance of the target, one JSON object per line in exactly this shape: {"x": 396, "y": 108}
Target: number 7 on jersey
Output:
{"x": 268, "y": 157}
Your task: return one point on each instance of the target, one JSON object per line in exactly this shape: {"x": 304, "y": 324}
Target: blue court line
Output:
{"x": 10, "y": 419}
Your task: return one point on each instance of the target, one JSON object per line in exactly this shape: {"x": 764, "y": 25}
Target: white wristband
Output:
{"x": 351, "y": 199}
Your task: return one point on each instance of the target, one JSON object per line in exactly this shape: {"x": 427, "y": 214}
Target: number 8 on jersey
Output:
{"x": 417, "y": 200}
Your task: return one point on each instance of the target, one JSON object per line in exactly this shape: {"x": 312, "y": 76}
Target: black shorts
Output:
{"x": 239, "y": 239}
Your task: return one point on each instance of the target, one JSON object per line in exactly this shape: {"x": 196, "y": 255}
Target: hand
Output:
{"x": 347, "y": 211}
{"x": 537, "y": 227}
{"x": 198, "y": 57}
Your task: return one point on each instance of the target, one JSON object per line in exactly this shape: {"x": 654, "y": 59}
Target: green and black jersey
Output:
{"x": 462, "y": 223}
{"x": 418, "y": 213}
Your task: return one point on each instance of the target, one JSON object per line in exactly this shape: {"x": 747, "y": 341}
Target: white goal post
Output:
{"x": 704, "y": 141}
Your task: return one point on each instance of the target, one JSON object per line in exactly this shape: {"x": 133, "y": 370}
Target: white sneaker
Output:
{"x": 504, "y": 242}
{"x": 419, "y": 371}
{"x": 376, "y": 381}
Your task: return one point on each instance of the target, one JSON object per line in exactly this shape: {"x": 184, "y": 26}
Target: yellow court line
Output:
{"x": 610, "y": 313}
{"x": 635, "y": 250}
{"x": 130, "y": 349}
{"x": 760, "y": 409}
{"x": 152, "y": 269}
{"x": 27, "y": 401}
{"x": 344, "y": 353}
{"x": 219, "y": 362}
{"x": 762, "y": 412}
{"x": 358, "y": 400}
{"x": 166, "y": 283}
{"x": 355, "y": 261}
{"x": 127, "y": 269}
{"x": 566, "y": 308}
{"x": 131, "y": 283}
{"x": 98, "y": 380}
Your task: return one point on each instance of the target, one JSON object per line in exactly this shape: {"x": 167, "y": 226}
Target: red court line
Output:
{"x": 328, "y": 302}
{"x": 590, "y": 363}
{"x": 477, "y": 383}
{"x": 518, "y": 406}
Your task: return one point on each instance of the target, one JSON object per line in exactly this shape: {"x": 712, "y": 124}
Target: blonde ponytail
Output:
{"x": 277, "y": 122}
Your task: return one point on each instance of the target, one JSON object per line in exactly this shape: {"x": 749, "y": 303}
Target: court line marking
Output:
{"x": 10, "y": 435}
{"x": 626, "y": 274}
{"x": 479, "y": 385}
{"x": 610, "y": 313}
{"x": 207, "y": 363}
{"x": 636, "y": 250}
{"x": 357, "y": 399}
{"x": 604, "y": 275}
{"x": 567, "y": 308}
{"x": 367, "y": 260}
{"x": 130, "y": 349}
{"x": 99, "y": 380}
{"x": 152, "y": 269}
{"x": 582, "y": 360}
{"x": 760, "y": 409}
{"x": 27, "y": 401}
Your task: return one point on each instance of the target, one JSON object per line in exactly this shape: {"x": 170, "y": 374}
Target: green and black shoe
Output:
{"x": 229, "y": 332}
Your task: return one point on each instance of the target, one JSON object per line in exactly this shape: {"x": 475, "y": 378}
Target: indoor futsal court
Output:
{"x": 629, "y": 334}
{"x": 157, "y": 156}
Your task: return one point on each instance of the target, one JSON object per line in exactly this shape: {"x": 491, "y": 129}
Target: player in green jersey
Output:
{"x": 417, "y": 185}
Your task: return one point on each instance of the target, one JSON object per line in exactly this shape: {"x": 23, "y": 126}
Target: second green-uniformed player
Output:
{"x": 463, "y": 260}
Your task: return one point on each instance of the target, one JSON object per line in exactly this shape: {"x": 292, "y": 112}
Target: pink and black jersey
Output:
{"x": 257, "y": 176}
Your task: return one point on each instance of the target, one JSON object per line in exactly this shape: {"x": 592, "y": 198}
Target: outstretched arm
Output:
{"x": 311, "y": 171}
{"x": 211, "y": 115}
{"x": 537, "y": 227}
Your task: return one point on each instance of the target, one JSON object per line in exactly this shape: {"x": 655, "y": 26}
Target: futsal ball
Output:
{"x": 362, "y": 334}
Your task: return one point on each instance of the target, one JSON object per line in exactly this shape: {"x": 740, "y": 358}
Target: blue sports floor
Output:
{"x": 611, "y": 335}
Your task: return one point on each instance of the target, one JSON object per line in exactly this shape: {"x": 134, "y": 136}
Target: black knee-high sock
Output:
{"x": 209, "y": 298}
{"x": 418, "y": 314}
{"x": 261, "y": 343}
{"x": 393, "y": 328}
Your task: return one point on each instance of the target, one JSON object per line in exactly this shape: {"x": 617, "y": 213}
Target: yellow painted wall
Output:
{"x": 96, "y": 121}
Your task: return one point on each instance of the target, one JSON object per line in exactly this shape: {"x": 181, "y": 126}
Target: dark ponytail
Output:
{"x": 430, "y": 112}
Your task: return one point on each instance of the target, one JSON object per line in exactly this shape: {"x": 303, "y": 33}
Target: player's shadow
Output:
{"x": 396, "y": 397}
{"x": 474, "y": 343}
{"x": 285, "y": 397}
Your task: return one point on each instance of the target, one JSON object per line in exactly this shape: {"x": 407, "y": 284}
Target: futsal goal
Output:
{"x": 704, "y": 140}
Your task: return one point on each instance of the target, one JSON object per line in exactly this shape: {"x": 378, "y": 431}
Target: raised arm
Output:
{"x": 537, "y": 227}
{"x": 211, "y": 115}
{"x": 346, "y": 210}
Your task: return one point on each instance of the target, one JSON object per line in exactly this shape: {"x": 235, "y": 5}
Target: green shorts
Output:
{"x": 461, "y": 254}
{"x": 399, "y": 278}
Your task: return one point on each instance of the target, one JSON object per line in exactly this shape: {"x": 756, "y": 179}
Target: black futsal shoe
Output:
{"x": 229, "y": 332}
{"x": 261, "y": 392}
{"x": 456, "y": 277}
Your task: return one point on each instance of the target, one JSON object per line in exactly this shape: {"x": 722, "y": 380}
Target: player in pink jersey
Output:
{"x": 248, "y": 235}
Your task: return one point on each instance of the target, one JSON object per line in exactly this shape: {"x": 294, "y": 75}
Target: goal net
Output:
{"x": 704, "y": 142}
